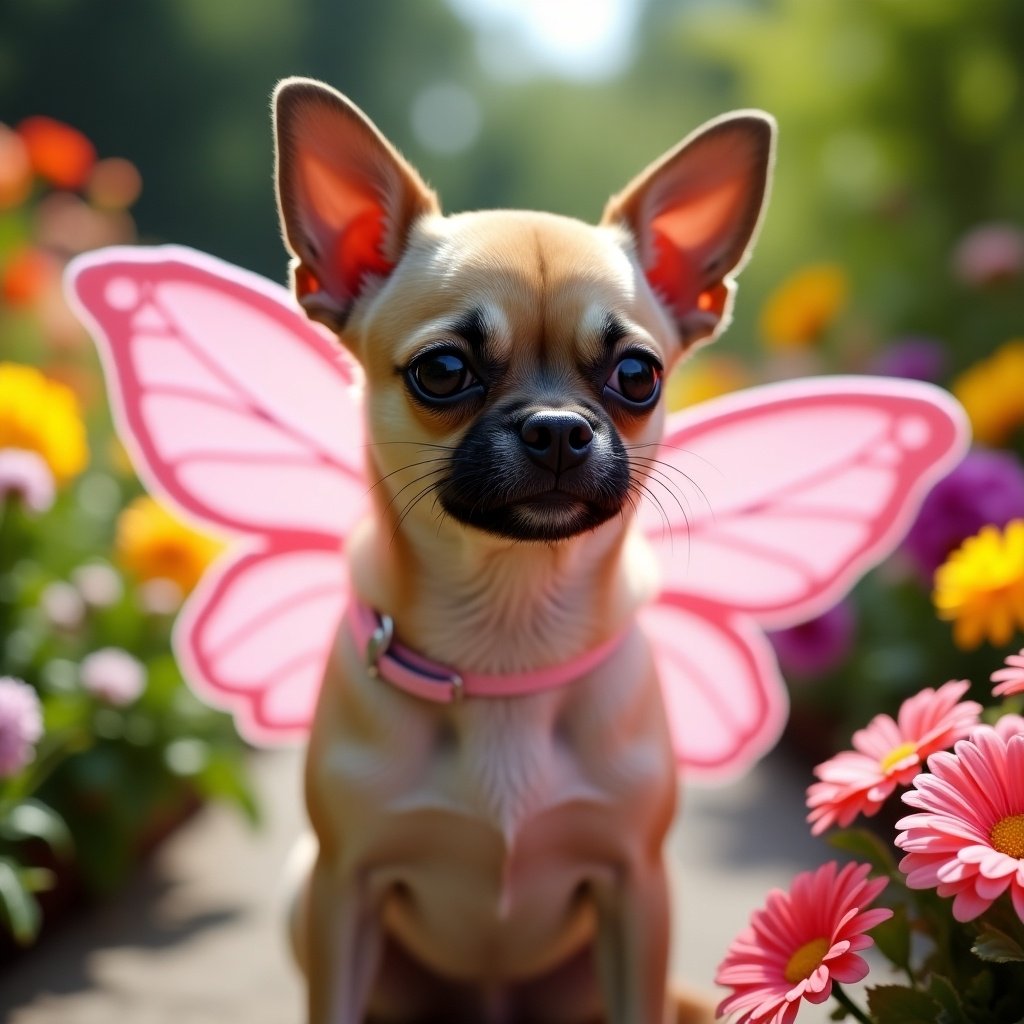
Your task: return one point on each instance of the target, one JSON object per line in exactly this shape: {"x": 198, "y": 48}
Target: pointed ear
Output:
{"x": 346, "y": 196}
{"x": 693, "y": 215}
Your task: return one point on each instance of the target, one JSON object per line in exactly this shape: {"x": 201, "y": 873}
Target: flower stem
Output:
{"x": 849, "y": 1005}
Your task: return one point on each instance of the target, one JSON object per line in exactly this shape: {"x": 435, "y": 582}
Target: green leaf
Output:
{"x": 865, "y": 845}
{"x": 997, "y": 947}
{"x": 951, "y": 1009}
{"x": 34, "y": 820}
{"x": 893, "y": 938}
{"x": 896, "y": 1004}
{"x": 19, "y": 906}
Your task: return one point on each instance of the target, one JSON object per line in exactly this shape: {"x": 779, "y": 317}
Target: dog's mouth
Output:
{"x": 550, "y": 515}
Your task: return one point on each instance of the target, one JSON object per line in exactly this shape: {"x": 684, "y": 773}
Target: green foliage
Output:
{"x": 113, "y": 770}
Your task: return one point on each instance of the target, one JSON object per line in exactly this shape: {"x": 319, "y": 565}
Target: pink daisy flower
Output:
{"x": 799, "y": 943}
{"x": 888, "y": 754}
{"x": 1005, "y": 726}
{"x": 21, "y": 725}
{"x": 968, "y": 839}
{"x": 1011, "y": 677}
{"x": 113, "y": 675}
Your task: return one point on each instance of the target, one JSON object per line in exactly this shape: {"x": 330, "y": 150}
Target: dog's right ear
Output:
{"x": 346, "y": 196}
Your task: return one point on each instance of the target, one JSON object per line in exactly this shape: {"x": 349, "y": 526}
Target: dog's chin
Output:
{"x": 548, "y": 517}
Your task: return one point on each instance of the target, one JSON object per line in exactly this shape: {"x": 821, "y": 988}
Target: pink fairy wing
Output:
{"x": 231, "y": 403}
{"x": 776, "y": 500}
{"x": 771, "y": 503}
{"x": 724, "y": 699}
{"x": 253, "y": 638}
{"x": 247, "y": 418}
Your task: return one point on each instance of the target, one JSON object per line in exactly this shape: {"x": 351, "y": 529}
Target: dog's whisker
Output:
{"x": 421, "y": 443}
{"x": 408, "y": 508}
{"x": 651, "y": 462}
{"x": 416, "y": 480}
{"x": 402, "y": 469}
{"x": 665, "y": 482}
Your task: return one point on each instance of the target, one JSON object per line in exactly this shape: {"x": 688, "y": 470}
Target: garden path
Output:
{"x": 197, "y": 937}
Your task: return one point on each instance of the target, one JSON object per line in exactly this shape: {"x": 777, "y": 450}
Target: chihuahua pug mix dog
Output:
{"x": 490, "y": 776}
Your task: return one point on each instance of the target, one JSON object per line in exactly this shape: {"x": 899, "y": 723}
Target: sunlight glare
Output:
{"x": 588, "y": 39}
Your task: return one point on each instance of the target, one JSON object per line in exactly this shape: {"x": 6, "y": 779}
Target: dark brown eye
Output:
{"x": 440, "y": 374}
{"x": 635, "y": 379}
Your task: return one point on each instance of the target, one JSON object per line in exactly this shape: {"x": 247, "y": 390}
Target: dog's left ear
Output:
{"x": 693, "y": 215}
{"x": 347, "y": 197}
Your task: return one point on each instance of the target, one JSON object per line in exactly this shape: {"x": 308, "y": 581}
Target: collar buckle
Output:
{"x": 377, "y": 645}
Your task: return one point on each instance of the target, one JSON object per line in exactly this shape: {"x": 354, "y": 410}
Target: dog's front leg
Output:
{"x": 632, "y": 943}
{"x": 344, "y": 945}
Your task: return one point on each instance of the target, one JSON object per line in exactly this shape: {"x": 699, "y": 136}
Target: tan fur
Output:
{"x": 496, "y": 859}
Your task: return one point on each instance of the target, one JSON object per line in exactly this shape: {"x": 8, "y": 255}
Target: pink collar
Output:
{"x": 374, "y": 634}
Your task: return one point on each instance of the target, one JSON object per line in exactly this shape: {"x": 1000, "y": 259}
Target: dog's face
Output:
{"x": 514, "y": 361}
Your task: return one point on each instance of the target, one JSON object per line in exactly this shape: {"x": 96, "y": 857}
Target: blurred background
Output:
{"x": 894, "y": 244}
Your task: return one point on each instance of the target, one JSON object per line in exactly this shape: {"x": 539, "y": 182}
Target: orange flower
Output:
{"x": 59, "y": 153}
{"x": 26, "y": 276}
{"x": 992, "y": 393}
{"x": 153, "y": 544}
{"x": 804, "y": 306}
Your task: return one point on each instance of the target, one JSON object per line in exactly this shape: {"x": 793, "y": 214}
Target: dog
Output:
{"x": 489, "y": 776}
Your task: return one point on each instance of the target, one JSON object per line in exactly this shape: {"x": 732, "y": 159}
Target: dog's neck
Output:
{"x": 488, "y": 605}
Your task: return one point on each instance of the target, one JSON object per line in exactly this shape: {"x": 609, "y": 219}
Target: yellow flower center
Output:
{"x": 1008, "y": 835}
{"x": 896, "y": 755}
{"x": 806, "y": 960}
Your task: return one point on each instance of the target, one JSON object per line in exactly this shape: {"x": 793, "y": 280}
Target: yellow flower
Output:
{"x": 992, "y": 392}
{"x": 41, "y": 415}
{"x": 981, "y": 586}
{"x": 804, "y": 306}
{"x": 706, "y": 377}
{"x": 152, "y": 544}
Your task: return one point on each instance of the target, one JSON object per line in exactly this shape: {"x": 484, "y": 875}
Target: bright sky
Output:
{"x": 573, "y": 38}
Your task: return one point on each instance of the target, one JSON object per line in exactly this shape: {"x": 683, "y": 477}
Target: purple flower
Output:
{"x": 818, "y": 646}
{"x": 915, "y": 358}
{"x": 987, "y": 487}
{"x": 113, "y": 675}
{"x": 21, "y": 725}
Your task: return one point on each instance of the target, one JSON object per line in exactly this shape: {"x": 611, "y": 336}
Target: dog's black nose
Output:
{"x": 556, "y": 439}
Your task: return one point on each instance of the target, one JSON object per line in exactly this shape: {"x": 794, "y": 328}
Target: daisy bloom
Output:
{"x": 799, "y": 943}
{"x": 967, "y": 841}
{"x": 1010, "y": 678}
{"x": 980, "y": 587}
{"x": 1005, "y": 726}
{"x": 888, "y": 754}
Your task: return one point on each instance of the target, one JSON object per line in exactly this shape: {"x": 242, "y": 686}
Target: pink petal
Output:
{"x": 968, "y": 905}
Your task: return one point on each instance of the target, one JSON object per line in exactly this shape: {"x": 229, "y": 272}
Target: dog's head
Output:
{"x": 513, "y": 360}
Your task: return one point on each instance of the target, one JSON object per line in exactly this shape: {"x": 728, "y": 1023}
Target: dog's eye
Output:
{"x": 440, "y": 374}
{"x": 636, "y": 379}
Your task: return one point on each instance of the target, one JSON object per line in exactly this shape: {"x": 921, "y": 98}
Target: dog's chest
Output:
{"x": 510, "y": 766}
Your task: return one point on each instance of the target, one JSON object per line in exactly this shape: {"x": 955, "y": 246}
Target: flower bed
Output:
{"x": 101, "y": 745}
